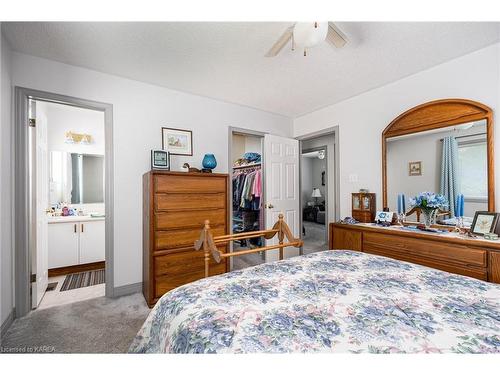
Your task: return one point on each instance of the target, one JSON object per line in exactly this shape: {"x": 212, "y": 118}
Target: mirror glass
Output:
{"x": 76, "y": 178}
{"x": 417, "y": 162}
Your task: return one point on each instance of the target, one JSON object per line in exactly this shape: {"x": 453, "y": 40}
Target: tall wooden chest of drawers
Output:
{"x": 176, "y": 205}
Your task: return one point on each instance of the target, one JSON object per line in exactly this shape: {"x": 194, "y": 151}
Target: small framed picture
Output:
{"x": 415, "y": 168}
{"x": 484, "y": 222}
{"x": 177, "y": 141}
{"x": 384, "y": 217}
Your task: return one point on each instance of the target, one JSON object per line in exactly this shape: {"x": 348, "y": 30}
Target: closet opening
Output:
{"x": 247, "y": 214}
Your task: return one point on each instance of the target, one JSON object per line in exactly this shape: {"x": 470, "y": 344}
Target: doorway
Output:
{"x": 318, "y": 190}
{"x": 64, "y": 184}
{"x": 67, "y": 191}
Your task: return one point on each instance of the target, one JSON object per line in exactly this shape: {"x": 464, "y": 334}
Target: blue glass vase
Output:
{"x": 209, "y": 161}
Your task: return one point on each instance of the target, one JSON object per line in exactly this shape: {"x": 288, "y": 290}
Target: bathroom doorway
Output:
{"x": 67, "y": 179}
{"x": 65, "y": 252}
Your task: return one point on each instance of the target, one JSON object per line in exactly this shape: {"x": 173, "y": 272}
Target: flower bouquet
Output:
{"x": 429, "y": 203}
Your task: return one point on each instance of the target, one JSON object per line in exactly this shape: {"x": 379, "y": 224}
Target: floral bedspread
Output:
{"x": 332, "y": 301}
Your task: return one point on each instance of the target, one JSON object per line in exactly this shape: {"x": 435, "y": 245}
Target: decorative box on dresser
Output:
{"x": 176, "y": 204}
{"x": 363, "y": 207}
{"x": 476, "y": 258}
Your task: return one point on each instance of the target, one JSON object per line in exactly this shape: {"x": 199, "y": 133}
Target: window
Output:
{"x": 473, "y": 168}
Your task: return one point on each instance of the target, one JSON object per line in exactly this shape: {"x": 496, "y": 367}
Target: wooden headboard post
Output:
{"x": 281, "y": 235}
{"x": 206, "y": 249}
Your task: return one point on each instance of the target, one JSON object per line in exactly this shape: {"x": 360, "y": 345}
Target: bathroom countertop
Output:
{"x": 72, "y": 219}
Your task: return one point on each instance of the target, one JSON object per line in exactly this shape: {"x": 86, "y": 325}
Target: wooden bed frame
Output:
{"x": 209, "y": 243}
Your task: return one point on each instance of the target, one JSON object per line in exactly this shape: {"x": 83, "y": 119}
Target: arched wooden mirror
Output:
{"x": 412, "y": 153}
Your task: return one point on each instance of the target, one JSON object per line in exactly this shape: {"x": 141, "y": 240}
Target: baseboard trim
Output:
{"x": 125, "y": 290}
{"x": 6, "y": 324}
{"x": 76, "y": 268}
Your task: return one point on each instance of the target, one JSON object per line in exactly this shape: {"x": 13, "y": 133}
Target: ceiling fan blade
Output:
{"x": 335, "y": 36}
{"x": 280, "y": 43}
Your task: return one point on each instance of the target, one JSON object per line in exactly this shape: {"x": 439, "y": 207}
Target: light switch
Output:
{"x": 353, "y": 177}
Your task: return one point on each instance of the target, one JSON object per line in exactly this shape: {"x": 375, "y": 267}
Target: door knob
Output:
{"x": 269, "y": 205}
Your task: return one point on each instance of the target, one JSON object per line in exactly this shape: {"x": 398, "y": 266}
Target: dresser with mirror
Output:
{"x": 444, "y": 146}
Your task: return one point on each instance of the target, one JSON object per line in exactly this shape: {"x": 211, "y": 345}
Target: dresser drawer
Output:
{"x": 345, "y": 239}
{"x": 185, "y": 262}
{"x": 471, "y": 271}
{"x": 190, "y": 184}
{"x": 187, "y": 201}
{"x": 164, "y": 284}
{"x": 189, "y": 219}
{"x": 425, "y": 249}
{"x": 182, "y": 237}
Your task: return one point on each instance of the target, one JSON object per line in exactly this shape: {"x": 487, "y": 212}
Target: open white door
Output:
{"x": 281, "y": 188}
{"x": 40, "y": 193}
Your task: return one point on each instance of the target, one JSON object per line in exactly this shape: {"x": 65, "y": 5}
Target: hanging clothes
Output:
{"x": 247, "y": 192}
{"x": 247, "y": 189}
{"x": 257, "y": 185}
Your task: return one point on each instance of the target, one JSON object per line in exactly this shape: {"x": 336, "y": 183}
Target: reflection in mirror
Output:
{"x": 76, "y": 178}
{"x": 450, "y": 161}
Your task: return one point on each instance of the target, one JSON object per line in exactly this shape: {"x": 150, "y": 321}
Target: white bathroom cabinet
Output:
{"x": 76, "y": 242}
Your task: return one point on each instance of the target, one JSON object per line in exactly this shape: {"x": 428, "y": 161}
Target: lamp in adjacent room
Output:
{"x": 316, "y": 194}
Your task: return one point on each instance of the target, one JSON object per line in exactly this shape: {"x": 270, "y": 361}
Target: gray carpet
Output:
{"x": 99, "y": 325}
{"x": 245, "y": 261}
{"x": 315, "y": 239}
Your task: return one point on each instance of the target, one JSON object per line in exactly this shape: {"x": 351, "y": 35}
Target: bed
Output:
{"x": 331, "y": 301}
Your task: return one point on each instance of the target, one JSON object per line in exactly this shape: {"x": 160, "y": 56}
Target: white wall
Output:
{"x": 306, "y": 177}
{"x": 362, "y": 119}
{"x": 139, "y": 112}
{"x": 6, "y": 184}
{"x": 64, "y": 118}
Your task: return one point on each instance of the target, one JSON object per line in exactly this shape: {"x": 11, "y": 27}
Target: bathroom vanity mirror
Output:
{"x": 76, "y": 178}
{"x": 442, "y": 146}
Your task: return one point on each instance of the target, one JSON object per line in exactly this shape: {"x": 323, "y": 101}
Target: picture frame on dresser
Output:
{"x": 484, "y": 222}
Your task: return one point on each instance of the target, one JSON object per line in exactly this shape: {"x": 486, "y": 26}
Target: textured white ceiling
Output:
{"x": 226, "y": 60}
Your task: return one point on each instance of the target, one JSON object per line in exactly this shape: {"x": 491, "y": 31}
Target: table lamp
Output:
{"x": 316, "y": 194}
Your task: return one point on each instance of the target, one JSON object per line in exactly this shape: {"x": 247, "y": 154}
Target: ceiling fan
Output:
{"x": 308, "y": 34}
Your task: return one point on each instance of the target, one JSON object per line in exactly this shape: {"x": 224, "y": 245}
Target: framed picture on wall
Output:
{"x": 484, "y": 222}
{"x": 177, "y": 141}
{"x": 415, "y": 168}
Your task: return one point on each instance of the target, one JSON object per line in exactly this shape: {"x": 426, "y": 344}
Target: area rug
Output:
{"x": 83, "y": 279}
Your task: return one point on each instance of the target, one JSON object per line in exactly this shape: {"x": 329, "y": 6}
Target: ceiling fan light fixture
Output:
{"x": 309, "y": 34}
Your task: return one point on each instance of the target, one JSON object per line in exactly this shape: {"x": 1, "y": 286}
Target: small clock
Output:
{"x": 160, "y": 159}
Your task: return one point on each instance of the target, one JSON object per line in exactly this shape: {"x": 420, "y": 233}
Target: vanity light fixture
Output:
{"x": 84, "y": 139}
